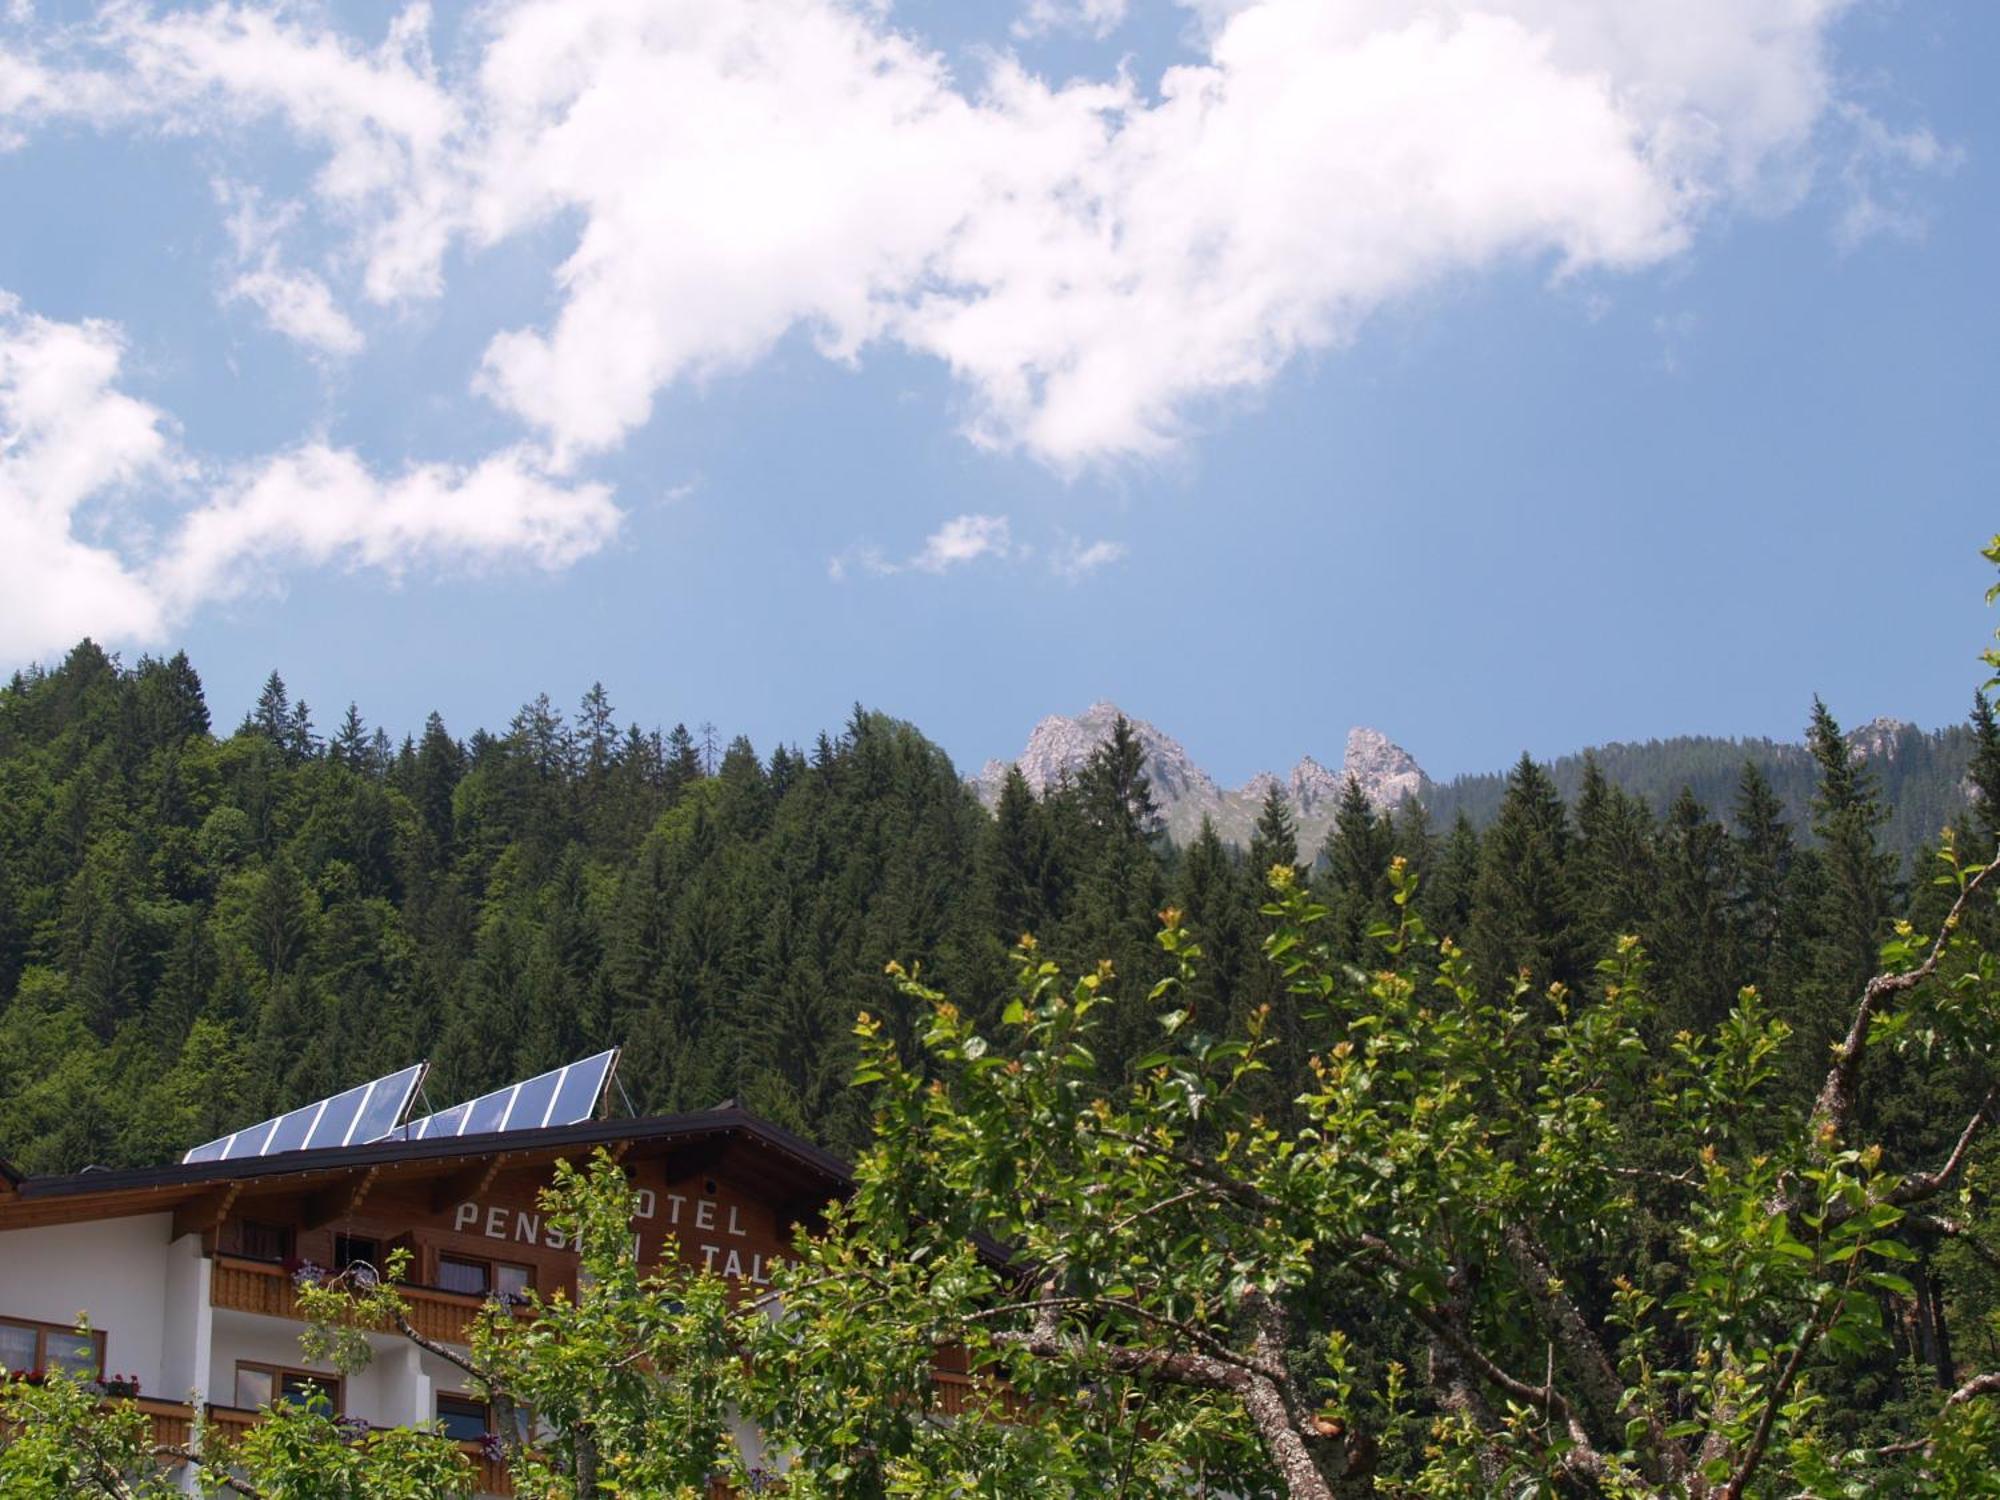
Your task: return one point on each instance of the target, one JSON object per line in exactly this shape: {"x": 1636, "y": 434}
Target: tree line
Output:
{"x": 200, "y": 929}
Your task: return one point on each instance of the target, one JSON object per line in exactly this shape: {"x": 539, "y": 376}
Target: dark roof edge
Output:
{"x": 10, "y": 1174}
{"x": 725, "y": 1121}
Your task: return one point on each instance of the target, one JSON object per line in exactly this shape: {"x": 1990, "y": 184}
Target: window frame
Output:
{"x": 492, "y": 1268}
{"x": 42, "y": 1330}
{"x": 487, "y": 1428}
{"x": 330, "y": 1385}
{"x": 287, "y": 1236}
{"x": 346, "y": 1242}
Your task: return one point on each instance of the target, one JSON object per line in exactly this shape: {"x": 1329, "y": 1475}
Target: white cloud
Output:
{"x": 299, "y": 305}
{"x": 319, "y": 505}
{"x": 1098, "y": 18}
{"x": 961, "y": 540}
{"x": 1095, "y": 261}
{"x": 1077, "y": 559}
{"x": 1880, "y": 161}
{"x": 78, "y": 555}
{"x": 386, "y": 124}
{"x": 1092, "y": 262}
{"x": 296, "y": 303}
{"x": 68, "y": 438}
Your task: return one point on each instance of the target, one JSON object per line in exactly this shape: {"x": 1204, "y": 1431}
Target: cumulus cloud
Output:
{"x": 296, "y": 303}
{"x": 68, "y": 438}
{"x": 80, "y": 554}
{"x": 319, "y": 505}
{"x": 299, "y": 305}
{"x": 1094, "y": 260}
{"x": 1076, "y": 559}
{"x": 1098, "y": 18}
{"x": 960, "y": 540}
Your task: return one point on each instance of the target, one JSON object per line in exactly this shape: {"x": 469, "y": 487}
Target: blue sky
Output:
{"x": 1502, "y": 376}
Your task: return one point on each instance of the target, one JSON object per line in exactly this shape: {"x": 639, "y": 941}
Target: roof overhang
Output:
{"x": 788, "y": 1166}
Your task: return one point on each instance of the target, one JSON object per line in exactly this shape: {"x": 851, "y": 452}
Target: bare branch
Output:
{"x": 216, "y": 1475}
{"x": 1956, "y": 1229}
{"x": 1835, "y": 1106}
{"x": 1585, "y": 1353}
{"x": 1922, "y": 1185}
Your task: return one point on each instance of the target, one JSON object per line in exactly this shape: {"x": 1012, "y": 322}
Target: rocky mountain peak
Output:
{"x": 1878, "y": 738}
{"x": 1060, "y": 746}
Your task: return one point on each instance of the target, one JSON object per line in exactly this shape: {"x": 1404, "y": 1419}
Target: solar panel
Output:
{"x": 564, "y": 1096}
{"x": 368, "y": 1112}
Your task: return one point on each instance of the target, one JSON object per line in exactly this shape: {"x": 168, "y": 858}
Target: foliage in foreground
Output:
{"x": 1487, "y": 1235}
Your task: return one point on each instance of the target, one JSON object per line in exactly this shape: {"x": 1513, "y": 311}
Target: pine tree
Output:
{"x": 170, "y": 704}
{"x": 1690, "y": 935}
{"x": 1764, "y": 856}
{"x": 1522, "y": 919}
{"x": 1358, "y": 851}
{"x": 1117, "y": 795}
{"x": 1983, "y": 772}
{"x": 683, "y": 763}
{"x": 300, "y": 743}
{"x": 1275, "y": 839}
{"x": 272, "y": 717}
{"x": 1610, "y": 866}
{"x": 1857, "y": 890}
{"x": 1017, "y": 861}
{"x": 350, "y": 745}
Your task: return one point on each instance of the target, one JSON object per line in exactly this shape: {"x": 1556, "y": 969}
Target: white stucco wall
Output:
{"x": 115, "y": 1270}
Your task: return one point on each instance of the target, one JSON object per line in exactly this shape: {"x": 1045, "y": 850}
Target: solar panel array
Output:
{"x": 564, "y": 1096}
{"x": 369, "y": 1112}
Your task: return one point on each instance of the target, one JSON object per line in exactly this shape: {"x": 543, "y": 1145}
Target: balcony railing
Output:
{"x": 173, "y": 1421}
{"x": 257, "y": 1286}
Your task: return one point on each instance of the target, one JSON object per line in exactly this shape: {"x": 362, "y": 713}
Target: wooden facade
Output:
{"x": 722, "y": 1191}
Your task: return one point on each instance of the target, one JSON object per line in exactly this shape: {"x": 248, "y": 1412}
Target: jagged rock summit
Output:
{"x": 1060, "y": 746}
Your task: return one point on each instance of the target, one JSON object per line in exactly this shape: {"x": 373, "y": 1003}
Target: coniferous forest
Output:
{"x": 202, "y": 925}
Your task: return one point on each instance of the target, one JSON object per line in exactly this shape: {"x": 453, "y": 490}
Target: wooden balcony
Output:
{"x": 173, "y": 1421}
{"x": 257, "y": 1286}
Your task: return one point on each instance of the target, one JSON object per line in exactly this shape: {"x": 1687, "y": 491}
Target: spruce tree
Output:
{"x": 1359, "y": 847}
{"x": 1611, "y": 878}
{"x": 1857, "y": 888}
{"x": 1983, "y": 774}
{"x": 272, "y": 717}
{"x": 1522, "y": 917}
{"x": 350, "y": 745}
{"x": 1275, "y": 839}
{"x": 1763, "y": 859}
{"x": 1692, "y": 940}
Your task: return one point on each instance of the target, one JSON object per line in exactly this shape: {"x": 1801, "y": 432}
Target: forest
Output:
{"x": 1589, "y": 1061}
{"x": 202, "y": 928}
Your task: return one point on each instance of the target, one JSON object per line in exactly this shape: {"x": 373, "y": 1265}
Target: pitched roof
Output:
{"x": 795, "y": 1167}
{"x": 10, "y": 1175}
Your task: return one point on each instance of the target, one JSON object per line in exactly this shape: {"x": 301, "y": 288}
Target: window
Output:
{"x": 483, "y": 1278}
{"x": 464, "y": 1420}
{"x": 272, "y": 1385}
{"x": 264, "y": 1241}
{"x": 356, "y": 1250}
{"x": 456, "y": 1274}
{"x": 28, "y": 1346}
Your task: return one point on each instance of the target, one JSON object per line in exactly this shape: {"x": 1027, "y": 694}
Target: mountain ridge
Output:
{"x": 1060, "y": 745}
{"x": 1922, "y": 776}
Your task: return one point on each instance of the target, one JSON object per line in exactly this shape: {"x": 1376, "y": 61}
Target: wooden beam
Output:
{"x": 205, "y": 1214}
{"x": 339, "y": 1200}
{"x": 469, "y": 1184}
